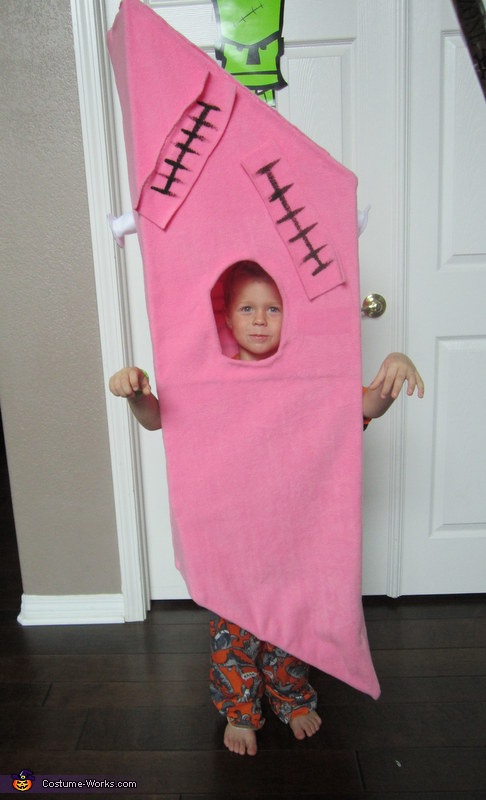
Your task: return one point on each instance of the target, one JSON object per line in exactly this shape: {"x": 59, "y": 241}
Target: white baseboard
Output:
{"x": 82, "y": 609}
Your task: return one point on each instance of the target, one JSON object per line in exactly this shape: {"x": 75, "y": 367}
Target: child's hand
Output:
{"x": 395, "y": 370}
{"x": 128, "y": 382}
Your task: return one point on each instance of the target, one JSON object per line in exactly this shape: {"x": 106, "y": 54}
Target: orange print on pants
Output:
{"x": 243, "y": 669}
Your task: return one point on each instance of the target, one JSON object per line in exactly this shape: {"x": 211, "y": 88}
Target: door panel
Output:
{"x": 445, "y": 510}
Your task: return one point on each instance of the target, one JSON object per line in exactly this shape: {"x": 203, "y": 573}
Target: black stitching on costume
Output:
{"x": 291, "y": 215}
{"x": 193, "y": 134}
{"x": 303, "y": 233}
{"x": 184, "y": 146}
{"x": 176, "y": 164}
{"x": 279, "y": 193}
{"x": 253, "y": 11}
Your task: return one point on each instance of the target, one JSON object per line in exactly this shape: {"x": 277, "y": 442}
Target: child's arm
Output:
{"x": 133, "y": 384}
{"x": 387, "y": 385}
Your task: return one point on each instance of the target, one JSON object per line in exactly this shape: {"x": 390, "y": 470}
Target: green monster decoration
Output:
{"x": 250, "y": 43}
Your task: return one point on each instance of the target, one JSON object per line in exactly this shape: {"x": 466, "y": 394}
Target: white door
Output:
{"x": 444, "y": 512}
{"x": 348, "y": 70}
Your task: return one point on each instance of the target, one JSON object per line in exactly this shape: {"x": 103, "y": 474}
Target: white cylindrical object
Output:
{"x": 122, "y": 226}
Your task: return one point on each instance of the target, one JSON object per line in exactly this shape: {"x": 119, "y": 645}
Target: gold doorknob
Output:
{"x": 374, "y": 305}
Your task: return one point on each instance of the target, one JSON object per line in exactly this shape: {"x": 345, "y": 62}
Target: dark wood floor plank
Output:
{"x": 159, "y": 694}
{"x": 179, "y": 667}
{"x": 426, "y": 634}
{"x": 435, "y": 769}
{"x": 430, "y": 725}
{"x": 360, "y": 796}
{"x": 100, "y": 639}
{"x": 138, "y": 694}
{"x": 7, "y": 590}
{"x": 150, "y": 667}
{"x": 152, "y": 729}
{"x": 448, "y": 725}
{"x": 295, "y": 773}
{"x": 8, "y": 615}
{"x": 57, "y": 729}
{"x": 454, "y": 795}
{"x": 23, "y": 695}
{"x": 463, "y": 606}
{"x": 177, "y": 612}
{"x": 426, "y": 663}
{"x": 180, "y": 729}
{"x": 415, "y": 689}
{"x": 434, "y": 689}
{"x": 263, "y": 796}
{"x": 194, "y": 637}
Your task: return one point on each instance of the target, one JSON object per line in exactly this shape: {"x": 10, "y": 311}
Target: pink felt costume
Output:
{"x": 263, "y": 457}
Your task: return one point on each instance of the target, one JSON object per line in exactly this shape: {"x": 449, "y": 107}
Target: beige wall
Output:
{"x": 51, "y": 383}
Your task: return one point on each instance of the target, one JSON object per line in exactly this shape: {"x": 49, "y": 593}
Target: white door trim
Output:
{"x": 95, "y": 99}
{"x": 396, "y": 293}
{"x": 402, "y": 101}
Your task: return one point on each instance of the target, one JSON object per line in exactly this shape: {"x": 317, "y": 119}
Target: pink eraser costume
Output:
{"x": 263, "y": 457}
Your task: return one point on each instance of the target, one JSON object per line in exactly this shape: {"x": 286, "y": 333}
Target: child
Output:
{"x": 242, "y": 667}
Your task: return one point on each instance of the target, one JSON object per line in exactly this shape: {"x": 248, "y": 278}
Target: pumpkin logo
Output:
{"x": 23, "y": 781}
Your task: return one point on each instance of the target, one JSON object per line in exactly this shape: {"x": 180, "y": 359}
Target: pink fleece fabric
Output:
{"x": 263, "y": 457}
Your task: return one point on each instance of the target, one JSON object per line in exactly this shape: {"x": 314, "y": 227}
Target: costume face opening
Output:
{"x": 248, "y": 311}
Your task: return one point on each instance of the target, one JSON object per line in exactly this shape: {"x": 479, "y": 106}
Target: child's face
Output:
{"x": 255, "y": 318}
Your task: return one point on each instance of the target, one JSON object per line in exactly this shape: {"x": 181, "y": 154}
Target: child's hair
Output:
{"x": 239, "y": 271}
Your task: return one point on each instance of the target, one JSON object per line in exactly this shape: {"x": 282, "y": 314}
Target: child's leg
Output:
{"x": 236, "y": 685}
{"x": 287, "y": 687}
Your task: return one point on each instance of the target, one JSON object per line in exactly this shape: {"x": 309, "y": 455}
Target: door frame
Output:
{"x": 97, "y": 121}
{"x": 95, "y": 100}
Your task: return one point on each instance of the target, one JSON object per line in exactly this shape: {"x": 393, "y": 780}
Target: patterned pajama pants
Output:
{"x": 243, "y": 669}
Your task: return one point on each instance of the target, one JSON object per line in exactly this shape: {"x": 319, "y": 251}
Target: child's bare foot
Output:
{"x": 305, "y": 724}
{"x": 240, "y": 740}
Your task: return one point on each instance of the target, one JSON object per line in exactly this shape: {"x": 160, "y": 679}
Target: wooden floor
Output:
{"x": 131, "y": 701}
